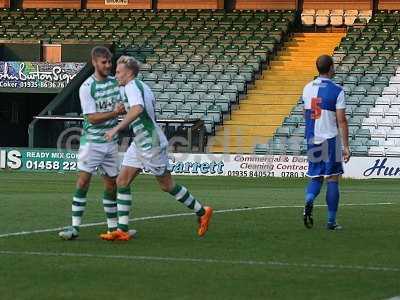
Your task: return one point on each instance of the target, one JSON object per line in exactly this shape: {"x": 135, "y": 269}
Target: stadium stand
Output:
{"x": 265, "y": 5}
{"x": 193, "y": 4}
{"x": 274, "y": 95}
{"x": 335, "y": 13}
{"x": 336, "y": 17}
{"x": 388, "y": 5}
{"x": 101, "y": 4}
{"x": 198, "y": 62}
{"x": 210, "y": 63}
{"x": 66, "y": 4}
{"x": 4, "y": 3}
{"x": 367, "y": 62}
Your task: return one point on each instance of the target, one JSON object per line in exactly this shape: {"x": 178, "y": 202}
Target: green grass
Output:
{"x": 131, "y": 270}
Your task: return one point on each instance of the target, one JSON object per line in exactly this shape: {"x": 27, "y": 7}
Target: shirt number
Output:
{"x": 316, "y": 108}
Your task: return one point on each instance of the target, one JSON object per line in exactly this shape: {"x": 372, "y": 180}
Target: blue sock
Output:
{"x": 332, "y": 200}
{"x": 313, "y": 189}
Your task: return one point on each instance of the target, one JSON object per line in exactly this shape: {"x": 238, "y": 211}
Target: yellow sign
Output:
{"x": 116, "y": 2}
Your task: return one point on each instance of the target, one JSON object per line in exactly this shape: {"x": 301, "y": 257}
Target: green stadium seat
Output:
{"x": 283, "y": 131}
{"x": 368, "y": 101}
{"x": 375, "y": 69}
{"x": 375, "y": 90}
{"x": 351, "y": 79}
{"x": 292, "y": 121}
{"x": 278, "y": 149}
{"x": 195, "y": 59}
{"x": 169, "y": 108}
{"x": 150, "y": 77}
{"x": 383, "y": 80}
{"x": 158, "y": 68}
{"x": 363, "y": 133}
{"x": 389, "y": 70}
{"x": 194, "y": 78}
{"x": 202, "y": 69}
{"x": 361, "y": 111}
{"x": 178, "y": 99}
{"x": 166, "y": 59}
{"x": 339, "y": 78}
{"x": 182, "y": 78}
{"x": 200, "y": 88}
{"x": 386, "y": 51}
{"x": 360, "y": 151}
{"x": 367, "y": 80}
{"x": 342, "y": 70}
{"x": 359, "y": 90}
{"x": 193, "y": 98}
{"x": 261, "y": 149}
{"x": 186, "y": 88}
{"x": 357, "y": 70}
{"x": 158, "y": 87}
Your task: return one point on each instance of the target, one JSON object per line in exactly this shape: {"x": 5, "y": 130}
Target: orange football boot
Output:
{"x": 117, "y": 235}
{"x": 204, "y": 220}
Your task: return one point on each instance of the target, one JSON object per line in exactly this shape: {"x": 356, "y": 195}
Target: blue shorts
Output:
{"x": 325, "y": 159}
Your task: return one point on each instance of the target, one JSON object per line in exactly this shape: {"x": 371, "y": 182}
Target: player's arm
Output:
{"x": 131, "y": 116}
{"x": 88, "y": 105}
{"x": 343, "y": 126}
{"x": 136, "y": 102}
{"x": 101, "y": 117}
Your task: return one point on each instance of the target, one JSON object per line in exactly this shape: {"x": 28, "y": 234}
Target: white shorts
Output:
{"x": 154, "y": 161}
{"x": 99, "y": 157}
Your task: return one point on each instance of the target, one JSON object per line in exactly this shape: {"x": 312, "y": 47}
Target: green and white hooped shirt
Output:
{"x": 97, "y": 97}
{"x": 148, "y": 135}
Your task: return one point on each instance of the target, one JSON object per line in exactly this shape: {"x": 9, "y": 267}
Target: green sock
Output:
{"x": 110, "y": 208}
{"x": 78, "y": 207}
{"x": 124, "y": 203}
{"x": 184, "y": 196}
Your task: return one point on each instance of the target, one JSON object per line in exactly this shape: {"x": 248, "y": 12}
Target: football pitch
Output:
{"x": 257, "y": 246}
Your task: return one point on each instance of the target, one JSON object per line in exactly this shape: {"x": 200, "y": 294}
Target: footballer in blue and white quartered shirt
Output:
{"x": 325, "y": 118}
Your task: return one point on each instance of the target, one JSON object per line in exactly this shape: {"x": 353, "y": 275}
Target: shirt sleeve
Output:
{"x": 88, "y": 104}
{"x": 341, "y": 101}
{"x": 134, "y": 96}
{"x": 305, "y": 98}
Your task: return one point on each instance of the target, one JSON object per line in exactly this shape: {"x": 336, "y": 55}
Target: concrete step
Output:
{"x": 266, "y": 109}
{"x": 262, "y": 100}
{"x": 255, "y": 120}
{"x": 281, "y": 92}
{"x": 299, "y": 79}
{"x": 304, "y": 68}
{"x": 230, "y": 149}
{"x": 246, "y": 130}
{"x": 238, "y": 141}
{"x": 274, "y": 82}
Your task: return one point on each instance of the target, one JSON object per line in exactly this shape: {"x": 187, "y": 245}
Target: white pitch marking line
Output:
{"x": 187, "y": 214}
{"x": 205, "y": 260}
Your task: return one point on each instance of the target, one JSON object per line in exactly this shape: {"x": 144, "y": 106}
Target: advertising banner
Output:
{"x": 237, "y": 165}
{"x": 37, "y": 75}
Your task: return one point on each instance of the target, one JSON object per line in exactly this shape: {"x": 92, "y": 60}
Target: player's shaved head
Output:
{"x": 324, "y": 64}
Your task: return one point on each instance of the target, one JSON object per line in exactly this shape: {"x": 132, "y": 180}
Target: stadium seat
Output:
{"x": 350, "y": 16}
{"x": 336, "y": 17}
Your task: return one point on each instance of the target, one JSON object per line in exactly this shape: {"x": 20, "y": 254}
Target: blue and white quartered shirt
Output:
{"x": 321, "y": 98}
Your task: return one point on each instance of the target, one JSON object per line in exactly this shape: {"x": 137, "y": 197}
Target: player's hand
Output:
{"x": 110, "y": 134}
{"x": 346, "y": 154}
{"x": 120, "y": 109}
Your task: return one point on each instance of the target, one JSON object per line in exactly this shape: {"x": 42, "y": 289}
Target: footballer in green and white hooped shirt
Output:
{"x": 148, "y": 151}
{"x": 101, "y": 105}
